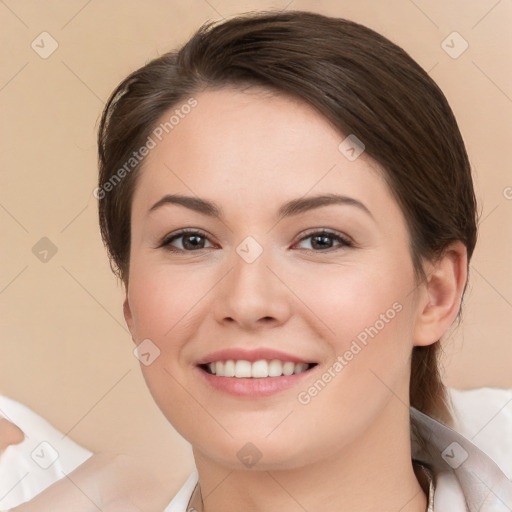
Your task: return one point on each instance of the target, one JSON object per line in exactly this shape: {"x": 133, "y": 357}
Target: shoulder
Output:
{"x": 466, "y": 478}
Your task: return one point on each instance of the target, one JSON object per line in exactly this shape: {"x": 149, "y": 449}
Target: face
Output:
{"x": 320, "y": 293}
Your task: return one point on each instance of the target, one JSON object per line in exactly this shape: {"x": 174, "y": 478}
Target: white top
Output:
{"x": 45, "y": 455}
{"x": 465, "y": 478}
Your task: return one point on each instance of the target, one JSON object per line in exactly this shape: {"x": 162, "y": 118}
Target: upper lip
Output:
{"x": 238, "y": 354}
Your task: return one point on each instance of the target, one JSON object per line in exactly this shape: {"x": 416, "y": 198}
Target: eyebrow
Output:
{"x": 288, "y": 209}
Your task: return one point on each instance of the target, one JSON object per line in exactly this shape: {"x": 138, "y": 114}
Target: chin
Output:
{"x": 273, "y": 453}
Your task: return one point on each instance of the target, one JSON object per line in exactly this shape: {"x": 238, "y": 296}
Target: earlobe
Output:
{"x": 445, "y": 285}
{"x": 128, "y": 317}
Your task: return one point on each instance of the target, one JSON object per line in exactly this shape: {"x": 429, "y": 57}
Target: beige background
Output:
{"x": 65, "y": 351}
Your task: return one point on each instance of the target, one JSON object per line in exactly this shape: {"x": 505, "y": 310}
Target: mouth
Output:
{"x": 253, "y": 374}
{"x": 260, "y": 369}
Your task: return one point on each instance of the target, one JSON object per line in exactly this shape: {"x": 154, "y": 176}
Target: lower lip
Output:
{"x": 253, "y": 387}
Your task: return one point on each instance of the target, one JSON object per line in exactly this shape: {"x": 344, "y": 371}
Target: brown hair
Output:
{"x": 360, "y": 81}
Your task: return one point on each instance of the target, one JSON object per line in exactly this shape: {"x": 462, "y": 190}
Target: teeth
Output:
{"x": 299, "y": 368}
{"x": 288, "y": 368}
{"x": 275, "y": 368}
{"x": 229, "y": 369}
{"x": 257, "y": 370}
{"x": 242, "y": 369}
{"x": 260, "y": 369}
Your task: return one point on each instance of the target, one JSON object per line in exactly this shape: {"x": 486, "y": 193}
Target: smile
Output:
{"x": 254, "y": 373}
{"x": 257, "y": 370}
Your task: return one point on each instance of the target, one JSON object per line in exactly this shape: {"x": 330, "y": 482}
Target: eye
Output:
{"x": 322, "y": 240}
{"x": 193, "y": 239}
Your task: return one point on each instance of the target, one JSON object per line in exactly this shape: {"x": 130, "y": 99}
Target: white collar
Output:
{"x": 466, "y": 479}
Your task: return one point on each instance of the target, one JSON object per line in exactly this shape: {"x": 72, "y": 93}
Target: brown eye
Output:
{"x": 323, "y": 241}
{"x": 192, "y": 240}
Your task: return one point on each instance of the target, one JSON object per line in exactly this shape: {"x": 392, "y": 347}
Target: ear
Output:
{"x": 128, "y": 316}
{"x": 443, "y": 294}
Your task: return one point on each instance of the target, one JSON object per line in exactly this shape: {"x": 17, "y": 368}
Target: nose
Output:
{"x": 253, "y": 295}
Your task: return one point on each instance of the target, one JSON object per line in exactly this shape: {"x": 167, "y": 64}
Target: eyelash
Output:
{"x": 345, "y": 241}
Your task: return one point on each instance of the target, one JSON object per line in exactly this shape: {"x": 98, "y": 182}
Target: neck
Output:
{"x": 375, "y": 472}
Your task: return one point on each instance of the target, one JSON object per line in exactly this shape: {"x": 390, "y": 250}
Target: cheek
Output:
{"x": 162, "y": 300}
{"x": 161, "y": 303}
{"x": 369, "y": 318}
{"x": 369, "y": 367}
{"x": 168, "y": 305}
{"x": 359, "y": 303}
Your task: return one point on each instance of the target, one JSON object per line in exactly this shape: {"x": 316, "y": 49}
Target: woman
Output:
{"x": 289, "y": 204}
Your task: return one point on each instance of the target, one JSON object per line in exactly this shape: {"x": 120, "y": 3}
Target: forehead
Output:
{"x": 252, "y": 147}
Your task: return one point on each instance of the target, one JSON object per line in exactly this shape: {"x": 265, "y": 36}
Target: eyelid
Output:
{"x": 181, "y": 232}
{"x": 346, "y": 240}
{"x": 326, "y": 231}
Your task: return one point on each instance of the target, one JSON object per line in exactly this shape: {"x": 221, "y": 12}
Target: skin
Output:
{"x": 107, "y": 481}
{"x": 10, "y": 434}
{"x": 249, "y": 152}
